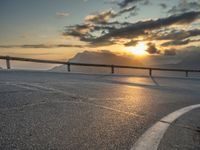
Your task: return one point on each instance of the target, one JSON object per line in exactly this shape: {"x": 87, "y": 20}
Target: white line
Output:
{"x": 150, "y": 140}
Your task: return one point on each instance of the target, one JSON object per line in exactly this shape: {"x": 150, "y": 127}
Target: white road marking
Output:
{"x": 150, "y": 140}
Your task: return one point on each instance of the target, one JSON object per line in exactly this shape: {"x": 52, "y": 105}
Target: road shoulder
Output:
{"x": 183, "y": 134}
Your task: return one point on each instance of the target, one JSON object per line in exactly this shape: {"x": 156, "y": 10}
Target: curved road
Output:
{"x": 44, "y": 110}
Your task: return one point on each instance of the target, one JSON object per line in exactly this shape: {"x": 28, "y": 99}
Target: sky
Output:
{"x": 58, "y": 29}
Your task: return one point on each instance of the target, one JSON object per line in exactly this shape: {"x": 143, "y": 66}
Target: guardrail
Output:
{"x": 8, "y": 64}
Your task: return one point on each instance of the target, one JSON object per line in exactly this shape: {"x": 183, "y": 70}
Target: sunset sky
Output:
{"x": 58, "y": 29}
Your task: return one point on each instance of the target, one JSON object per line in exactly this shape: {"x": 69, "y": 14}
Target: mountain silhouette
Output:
{"x": 191, "y": 61}
{"x": 99, "y": 57}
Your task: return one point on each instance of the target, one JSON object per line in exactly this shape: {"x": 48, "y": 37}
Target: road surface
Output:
{"x": 44, "y": 110}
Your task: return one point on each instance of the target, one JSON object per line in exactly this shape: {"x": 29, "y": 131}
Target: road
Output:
{"x": 44, "y": 110}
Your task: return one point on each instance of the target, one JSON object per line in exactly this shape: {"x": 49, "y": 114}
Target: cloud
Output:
{"x": 105, "y": 33}
{"x": 163, "y": 5}
{"x": 101, "y": 17}
{"x": 128, "y": 9}
{"x": 62, "y": 14}
{"x": 131, "y": 43}
{"x": 125, "y": 3}
{"x": 84, "y": 32}
{"x": 152, "y": 49}
{"x": 185, "y": 6}
{"x": 141, "y": 28}
{"x": 179, "y": 42}
{"x": 41, "y": 46}
{"x": 78, "y": 30}
{"x": 176, "y": 42}
{"x": 68, "y": 45}
{"x": 28, "y": 54}
{"x": 177, "y": 35}
{"x": 105, "y": 16}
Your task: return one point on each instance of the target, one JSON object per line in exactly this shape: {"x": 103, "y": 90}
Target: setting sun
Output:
{"x": 139, "y": 49}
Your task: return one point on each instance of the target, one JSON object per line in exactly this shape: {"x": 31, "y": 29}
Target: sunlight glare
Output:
{"x": 139, "y": 49}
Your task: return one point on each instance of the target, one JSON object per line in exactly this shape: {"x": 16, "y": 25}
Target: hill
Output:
{"x": 188, "y": 62}
{"x": 101, "y": 57}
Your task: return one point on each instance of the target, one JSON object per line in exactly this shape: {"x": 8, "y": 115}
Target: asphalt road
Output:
{"x": 43, "y": 110}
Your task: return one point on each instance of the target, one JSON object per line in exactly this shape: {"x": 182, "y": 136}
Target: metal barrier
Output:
{"x": 8, "y": 64}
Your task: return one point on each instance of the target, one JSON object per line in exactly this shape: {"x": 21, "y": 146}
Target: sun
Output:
{"x": 139, "y": 49}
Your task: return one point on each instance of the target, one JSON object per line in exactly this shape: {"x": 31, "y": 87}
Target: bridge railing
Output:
{"x": 8, "y": 60}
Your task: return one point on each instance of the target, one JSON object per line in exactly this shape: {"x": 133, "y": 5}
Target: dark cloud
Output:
{"x": 177, "y": 34}
{"x": 131, "y": 43}
{"x": 125, "y": 3}
{"x": 41, "y": 46}
{"x": 163, "y": 5}
{"x": 179, "y": 42}
{"x": 26, "y": 46}
{"x": 185, "y": 6}
{"x": 170, "y": 52}
{"x": 35, "y": 46}
{"x": 152, "y": 49}
{"x": 141, "y": 27}
{"x": 68, "y": 45}
{"x": 108, "y": 32}
{"x": 84, "y": 32}
{"x": 177, "y": 37}
{"x": 29, "y": 54}
{"x": 176, "y": 42}
{"x": 132, "y": 9}
{"x": 78, "y": 30}
{"x": 7, "y": 46}
{"x": 105, "y": 16}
